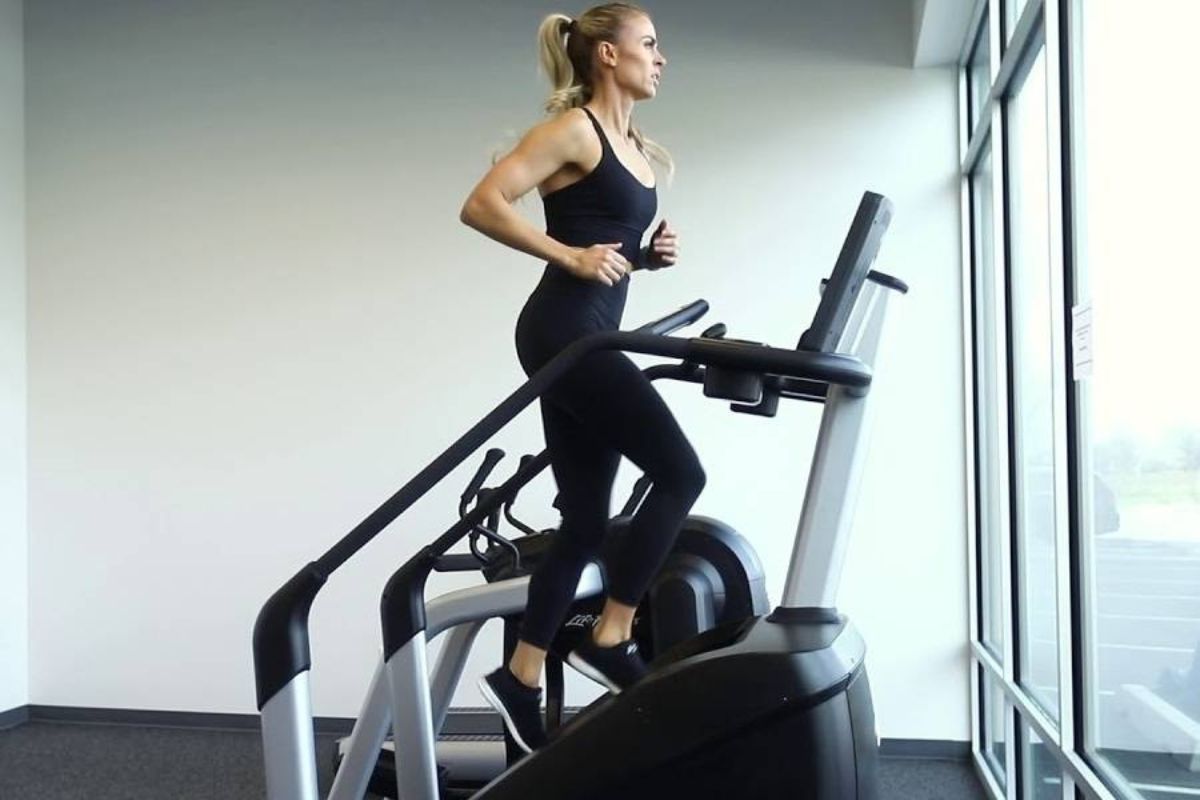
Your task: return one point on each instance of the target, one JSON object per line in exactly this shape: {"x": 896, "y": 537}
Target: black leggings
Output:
{"x": 602, "y": 409}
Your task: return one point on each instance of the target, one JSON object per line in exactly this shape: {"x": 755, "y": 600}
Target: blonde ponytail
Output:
{"x": 555, "y": 60}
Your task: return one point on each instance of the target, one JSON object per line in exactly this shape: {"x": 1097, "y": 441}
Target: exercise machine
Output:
{"x": 771, "y": 706}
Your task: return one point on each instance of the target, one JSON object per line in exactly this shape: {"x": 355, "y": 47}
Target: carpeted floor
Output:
{"x": 46, "y": 761}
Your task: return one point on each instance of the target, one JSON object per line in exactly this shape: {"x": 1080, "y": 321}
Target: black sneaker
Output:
{"x": 518, "y": 704}
{"x": 617, "y": 667}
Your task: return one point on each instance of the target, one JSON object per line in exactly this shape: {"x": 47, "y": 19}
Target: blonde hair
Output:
{"x": 565, "y": 48}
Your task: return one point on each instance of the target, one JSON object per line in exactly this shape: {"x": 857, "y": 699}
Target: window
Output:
{"x": 1087, "y": 423}
{"x": 1139, "y": 423}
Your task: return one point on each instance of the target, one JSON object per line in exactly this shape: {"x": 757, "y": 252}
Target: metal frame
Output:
{"x": 823, "y": 533}
{"x": 1059, "y": 381}
{"x": 1102, "y": 779}
{"x": 990, "y": 126}
{"x": 1034, "y": 44}
{"x": 413, "y": 718}
{"x": 461, "y": 615}
{"x": 1078, "y": 400}
{"x": 967, "y": 321}
{"x": 289, "y": 744}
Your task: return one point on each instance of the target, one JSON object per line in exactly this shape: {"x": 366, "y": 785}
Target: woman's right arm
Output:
{"x": 542, "y": 152}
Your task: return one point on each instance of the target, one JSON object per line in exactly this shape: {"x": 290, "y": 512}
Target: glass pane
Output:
{"x": 979, "y": 72}
{"x": 989, "y": 384}
{"x": 996, "y": 713}
{"x": 1138, "y": 173}
{"x": 1041, "y": 777}
{"x": 1033, "y": 387}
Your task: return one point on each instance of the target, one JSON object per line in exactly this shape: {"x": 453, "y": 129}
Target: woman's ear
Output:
{"x": 608, "y": 54}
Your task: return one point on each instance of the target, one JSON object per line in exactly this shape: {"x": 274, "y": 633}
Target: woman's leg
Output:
{"x": 617, "y": 405}
{"x": 584, "y": 468}
{"x": 604, "y": 408}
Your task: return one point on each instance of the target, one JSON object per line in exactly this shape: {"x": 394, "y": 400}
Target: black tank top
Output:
{"x": 609, "y": 204}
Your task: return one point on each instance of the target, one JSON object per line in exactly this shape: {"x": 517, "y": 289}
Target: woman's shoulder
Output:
{"x": 573, "y": 123}
{"x": 569, "y": 133}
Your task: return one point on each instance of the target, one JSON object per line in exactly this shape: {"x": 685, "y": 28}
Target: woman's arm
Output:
{"x": 543, "y": 151}
{"x": 663, "y": 250}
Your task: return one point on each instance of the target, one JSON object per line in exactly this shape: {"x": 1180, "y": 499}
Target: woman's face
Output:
{"x": 638, "y": 61}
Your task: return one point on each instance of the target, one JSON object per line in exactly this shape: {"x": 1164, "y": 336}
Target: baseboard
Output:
{"x": 925, "y": 749}
{"x": 184, "y": 720}
{"x": 459, "y": 722}
{"x": 14, "y": 717}
{"x": 479, "y": 722}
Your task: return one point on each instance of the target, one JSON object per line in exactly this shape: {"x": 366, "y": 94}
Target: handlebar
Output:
{"x": 508, "y": 515}
{"x": 490, "y": 461}
{"x": 675, "y": 320}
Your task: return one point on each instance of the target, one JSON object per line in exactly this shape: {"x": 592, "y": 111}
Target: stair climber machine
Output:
{"x": 752, "y": 704}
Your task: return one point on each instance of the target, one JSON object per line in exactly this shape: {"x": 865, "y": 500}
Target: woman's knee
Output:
{"x": 697, "y": 478}
{"x": 580, "y": 536}
{"x": 563, "y": 563}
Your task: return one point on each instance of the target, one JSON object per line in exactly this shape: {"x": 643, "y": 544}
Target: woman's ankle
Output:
{"x": 615, "y": 624}
{"x": 532, "y": 680}
{"x": 526, "y": 664}
{"x": 608, "y": 637}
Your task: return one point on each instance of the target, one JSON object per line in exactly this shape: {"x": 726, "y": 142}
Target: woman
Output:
{"x": 590, "y": 165}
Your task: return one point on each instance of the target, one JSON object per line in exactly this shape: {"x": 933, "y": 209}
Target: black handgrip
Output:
{"x": 675, "y": 320}
{"x": 508, "y": 515}
{"x": 882, "y": 278}
{"x": 489, "y": 463}
{"x": 496, "y": 539}
{"x": 516, "y": 523}
{"x": 457, "y": 562}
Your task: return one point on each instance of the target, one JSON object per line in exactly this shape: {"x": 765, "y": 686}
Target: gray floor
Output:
{"x": 45, "y": 761}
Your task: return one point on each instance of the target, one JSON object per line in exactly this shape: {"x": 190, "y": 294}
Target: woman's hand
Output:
{"x": 600, "y": 262}
{"x": 663, "y": 250}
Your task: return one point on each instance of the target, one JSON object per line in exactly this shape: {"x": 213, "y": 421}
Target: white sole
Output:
{"x": 586, "y": 670}
{"x": 486, "y": 690}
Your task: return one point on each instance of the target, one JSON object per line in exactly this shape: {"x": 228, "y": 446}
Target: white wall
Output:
{"x": 254, "y": 314}
{"x": 14, "y": 541}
